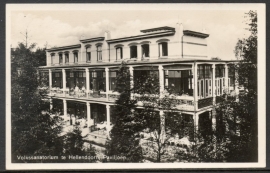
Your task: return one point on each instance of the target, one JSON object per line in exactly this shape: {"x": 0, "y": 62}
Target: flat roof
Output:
{"x": 64, "y": 47}
{"x": 138, "y": 37}
{"x": 92, "y": 39}
{"x": 158, "y": 29}
{"x": 195, "y": 34}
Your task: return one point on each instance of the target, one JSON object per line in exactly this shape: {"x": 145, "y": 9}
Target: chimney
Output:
{"x": 107, "y": 35}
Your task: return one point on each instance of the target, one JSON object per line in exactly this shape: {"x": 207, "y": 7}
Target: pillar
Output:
{"x": 65, "y": 107}
{"x": 195, "y": 82}
{"x": 139, "y": 52}
{"x": 236, "y": 85}
{"x": 87, "y": 81}
{"x": 107, "y": 82}
{"x": 196, "y": 121}
{"x": 131, "y": 79}
{"x": 162, "y": 126}
{"x": 64, "y": 81}
{"x": 108, "y": 120}
{"x": 226, "y": 78}
{"x": 214, "y": 83}
{"x": 161, "y": 79}
{"x": 50, "y": 79}
{"x": 213, "y": 116}
{"x": 88, "y": 108}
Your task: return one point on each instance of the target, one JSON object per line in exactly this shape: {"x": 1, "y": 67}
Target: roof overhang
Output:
{"x": 64, "y": 48}
{"x": 195, "y": 34}
{"x": 166, "y": 28}
{"x": 139, "y": 37}
{"x": 92, "y": 39}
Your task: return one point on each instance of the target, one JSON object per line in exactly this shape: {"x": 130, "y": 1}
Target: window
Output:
{"x": 163, "y": 49}
{"x": 133, "y": 51}
{"x": 88, "y": 56}
{"x": 112, "y": 80}
{"x": 71, "y": 74}
{"x": 52, "y": 58}
{"x": 57, "y": 75}
{"x": 119, "y": 53}
{"x": 75, "y": 57}
{"x": 145, "y": 50}
{"x": 98, "y": 81}
{"x": 180, "y": 82}
{"x": 204, "y": 81}
{"x": 99, "y": 53}
{"x": 60, "y": 58}
{"x": 66, "y": 57}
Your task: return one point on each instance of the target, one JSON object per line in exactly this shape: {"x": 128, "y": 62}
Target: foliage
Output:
{"x": 124, "y": 141}
{"x": 34, "y": 131}
{"x": 74, "y": 145}
{"x": 157, "y": 113}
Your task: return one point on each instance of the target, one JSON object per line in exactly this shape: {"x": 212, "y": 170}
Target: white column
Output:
{"x": 213, "y": 116}
{"x": 196, "y": 121}
{"x": 195, "y": 82}
{"x": 65, "y": 107}
{"x": 108, "y": 120}
{"x": 64, "y": 81}
{"x": 51, "y": 104}
{"x": 131, "y": 79}
{"x": 236, "y": 85}
{"x": 161, "y": 79}
{"x": 214, "y": 83}
{"x": 226, "y": 78}
{"x": 139, "y": 52}
{"x": 107, "y": 82}
{"x": 87, "y": 81}
{"x": 88, "y": 113}
{"x": 50, "y": 79}
{"x": 162, "y": 126}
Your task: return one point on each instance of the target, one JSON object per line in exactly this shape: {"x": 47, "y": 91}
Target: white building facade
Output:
{"x": 82, "y": 77}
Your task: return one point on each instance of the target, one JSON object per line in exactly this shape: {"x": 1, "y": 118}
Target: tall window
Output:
{"x": 99, "y": 53}
{"x": 180, "y": 82}
{"x": 231, "y": 75}
{"x": 133, "y": 51}
{"x": 204, "y": 81}
{"x": 60, "y": 58}
{"x": 119, "y": 53}
{"x": 163, "y": 49}
{"x": 145, "y": 50}
{"x": 75, "y": 57}
{"x": 112, "y": 80}
{"x": 98, "y": 81}
{"x": 66, "y": 58}
{"x": 88, "y": 56}
{"x": 52, "y": 58}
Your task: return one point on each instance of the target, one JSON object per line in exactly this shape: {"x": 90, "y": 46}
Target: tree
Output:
{"x": 158, "y": 113}
{"x": 34, "y": 131}
{"x": 240, "y": 117}
{"x": 124, "y": 134}
{"x": 74, "y": 145}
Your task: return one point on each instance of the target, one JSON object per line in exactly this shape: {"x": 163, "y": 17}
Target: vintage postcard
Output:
{"x": 135, "y": 86}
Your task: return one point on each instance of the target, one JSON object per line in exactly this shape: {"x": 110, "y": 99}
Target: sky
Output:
{"x": 67, "y": 27}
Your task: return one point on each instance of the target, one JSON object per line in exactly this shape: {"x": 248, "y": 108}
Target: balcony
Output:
{"x": 83, "y": 94}
{"x": 202, "y": 103}
{"x": 180, "y": 102}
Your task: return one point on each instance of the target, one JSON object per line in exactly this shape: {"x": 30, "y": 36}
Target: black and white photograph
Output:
{"x": 133, "y": 86}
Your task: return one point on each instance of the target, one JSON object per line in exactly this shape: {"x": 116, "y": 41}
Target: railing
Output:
{"x": 177, "y": 102}
{"x": 205, "y": 102}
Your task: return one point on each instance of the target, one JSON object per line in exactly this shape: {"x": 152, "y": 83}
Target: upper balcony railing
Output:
{"x": 84, "y": 94}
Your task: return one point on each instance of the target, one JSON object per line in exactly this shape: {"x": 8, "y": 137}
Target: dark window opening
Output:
{"x": 145, "y": 50}
{"x": 163, "y": 49}
{"x": 88, "y": 56}
{"x": 133, "y": 51}
{"x": 119, "y": 53}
